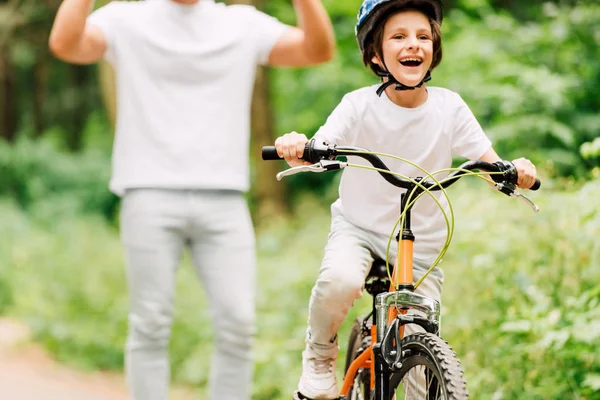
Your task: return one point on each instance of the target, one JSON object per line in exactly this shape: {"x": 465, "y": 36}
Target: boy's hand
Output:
{"x": 526, "y": 171}
{"x": 291, "y": 147}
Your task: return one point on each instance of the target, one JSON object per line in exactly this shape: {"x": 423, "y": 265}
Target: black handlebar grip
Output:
{"x": 536, "y": 185}
{"x": 270, "y": 153}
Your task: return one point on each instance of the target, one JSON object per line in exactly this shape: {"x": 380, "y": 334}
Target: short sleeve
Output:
{"x": 266, "y": 30}
{"x": 107, "y": 19}
{"x": 468, "y": 139}
{"x": 339, "y": 124}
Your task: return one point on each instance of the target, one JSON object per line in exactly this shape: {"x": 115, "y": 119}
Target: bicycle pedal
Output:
{"x": 300, "y": 396}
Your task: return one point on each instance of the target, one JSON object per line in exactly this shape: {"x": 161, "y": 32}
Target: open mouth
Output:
{"x": 411, "y": 62}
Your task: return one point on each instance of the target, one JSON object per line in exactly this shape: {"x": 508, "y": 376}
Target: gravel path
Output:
{"x": 28, "y": 373}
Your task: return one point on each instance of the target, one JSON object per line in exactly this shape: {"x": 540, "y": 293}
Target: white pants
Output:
{"x": 156, "y": 225}
{"x": 347, "y": 261}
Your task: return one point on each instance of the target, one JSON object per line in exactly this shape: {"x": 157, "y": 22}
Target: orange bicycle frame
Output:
{"x": 403, "y": 274}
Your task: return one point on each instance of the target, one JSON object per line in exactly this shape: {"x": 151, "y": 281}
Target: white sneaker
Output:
{"x": 318, "y": 380}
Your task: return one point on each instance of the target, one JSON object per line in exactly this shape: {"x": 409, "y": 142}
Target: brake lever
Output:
{"x": 321, "y": 166}
{"x": 527, "y": 200}
{"x": 509, "y": 189}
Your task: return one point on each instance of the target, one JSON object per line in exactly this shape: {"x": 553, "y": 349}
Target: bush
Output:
{"x": 535, "y": 92}
{"x": 526, "y": 321}
{"x": 51, "y": 183}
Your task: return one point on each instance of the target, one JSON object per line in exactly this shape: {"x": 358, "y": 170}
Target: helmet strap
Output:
{"x": 399, "y": 86}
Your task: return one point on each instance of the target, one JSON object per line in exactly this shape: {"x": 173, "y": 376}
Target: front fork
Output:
{"x": 382, "y": 374}
{"x": 387, "y": 351}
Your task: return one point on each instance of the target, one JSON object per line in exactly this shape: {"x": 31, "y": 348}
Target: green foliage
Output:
{"x": 5, "y": 292}
{"x": 51, "y": 183}
{"x": 67, "y": 283}
{"x": 590, "y": 151}
{"x": 535, "y": 93}
{"x": 529, "y": 327}
{"x": 521, "y": 297}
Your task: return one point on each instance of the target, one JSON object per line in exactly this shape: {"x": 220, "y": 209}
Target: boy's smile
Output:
{"x": 411, "y": 61}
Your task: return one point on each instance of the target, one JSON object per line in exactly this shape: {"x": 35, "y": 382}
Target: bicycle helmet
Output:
{"x": 372, "y": 13}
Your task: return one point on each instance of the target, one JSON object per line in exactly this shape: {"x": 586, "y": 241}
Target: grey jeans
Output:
{"x": 156, "y": 225}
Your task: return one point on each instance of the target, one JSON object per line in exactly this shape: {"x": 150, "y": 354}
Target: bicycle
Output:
{"x": 380, "y": 358}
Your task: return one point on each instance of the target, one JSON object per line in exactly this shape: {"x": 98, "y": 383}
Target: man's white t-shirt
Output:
{"x": 185, "y": 76}
{"x": 428, "y": 135}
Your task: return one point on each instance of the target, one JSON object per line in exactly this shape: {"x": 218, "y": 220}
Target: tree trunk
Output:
{"x": 8, "y": 100}
{"x": 108, "y": 90}
{"x": 79, "y": 82}
{"x": 268, "y": 192}
{"x": 40, "y": 84}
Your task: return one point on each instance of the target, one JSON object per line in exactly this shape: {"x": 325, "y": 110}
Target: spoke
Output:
{"x": 428, "y": 380}
{"x": 420, "y": 383}
{"x": 357, "y": 387}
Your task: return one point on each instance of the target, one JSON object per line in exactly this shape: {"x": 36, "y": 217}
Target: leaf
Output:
{"x": 587, "y": 332}
{"x": 554, "y": 339}
{"x": 592, "y": 381}
{"x": 521, "y": 326}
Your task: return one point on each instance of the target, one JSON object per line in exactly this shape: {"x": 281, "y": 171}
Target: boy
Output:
{"x": 400, "y": 41}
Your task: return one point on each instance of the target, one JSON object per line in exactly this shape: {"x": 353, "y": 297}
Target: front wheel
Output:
{"x": 430, "y": 370}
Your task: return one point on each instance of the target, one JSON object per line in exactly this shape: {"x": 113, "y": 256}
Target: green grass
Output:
{"x": 521, "y": 297}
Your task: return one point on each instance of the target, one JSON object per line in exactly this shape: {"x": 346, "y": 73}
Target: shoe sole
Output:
{"x": 300, "y": 396}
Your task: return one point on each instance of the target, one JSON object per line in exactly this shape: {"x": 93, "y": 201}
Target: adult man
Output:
{"x": 185, "y": 71}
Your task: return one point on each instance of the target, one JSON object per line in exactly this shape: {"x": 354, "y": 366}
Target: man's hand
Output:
{"x": 312, "y": 42}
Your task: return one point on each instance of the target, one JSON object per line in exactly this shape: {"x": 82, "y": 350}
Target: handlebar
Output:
{"x": 314, "y": 152}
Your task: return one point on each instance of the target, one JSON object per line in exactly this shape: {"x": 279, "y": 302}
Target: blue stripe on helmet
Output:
{"x": 364, "y": 11}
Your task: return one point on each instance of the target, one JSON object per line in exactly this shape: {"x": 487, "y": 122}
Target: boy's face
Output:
{"x": 407, "y": 47}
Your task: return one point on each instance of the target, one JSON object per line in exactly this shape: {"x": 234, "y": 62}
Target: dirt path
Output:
{"x": 28, "y": 373}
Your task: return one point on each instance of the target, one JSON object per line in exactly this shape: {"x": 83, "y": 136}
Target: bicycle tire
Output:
{"x": 432, "y": 352}
{"x": 360, "y": 389}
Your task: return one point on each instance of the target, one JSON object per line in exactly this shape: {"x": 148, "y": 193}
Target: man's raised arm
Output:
{"x": 71, "y": 39}
{"x": 312, "y": 42}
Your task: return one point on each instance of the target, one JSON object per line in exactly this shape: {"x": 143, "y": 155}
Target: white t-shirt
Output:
{"x": 427, "y": 135}
{"x": 185, "y": 76}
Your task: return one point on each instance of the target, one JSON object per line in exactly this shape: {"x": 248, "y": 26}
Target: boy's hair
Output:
{"x": 374, "y": 40}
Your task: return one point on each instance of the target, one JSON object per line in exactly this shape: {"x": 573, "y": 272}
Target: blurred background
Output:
{"x": 522, "y": 292}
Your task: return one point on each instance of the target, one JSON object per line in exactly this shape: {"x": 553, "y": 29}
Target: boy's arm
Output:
{"x": 469, "y": 140}
{"x": 336, "y": 130}
{"x": 490, "y": 156}
{"x": 71, "y": 39}
{"x": 312, "y": 42}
